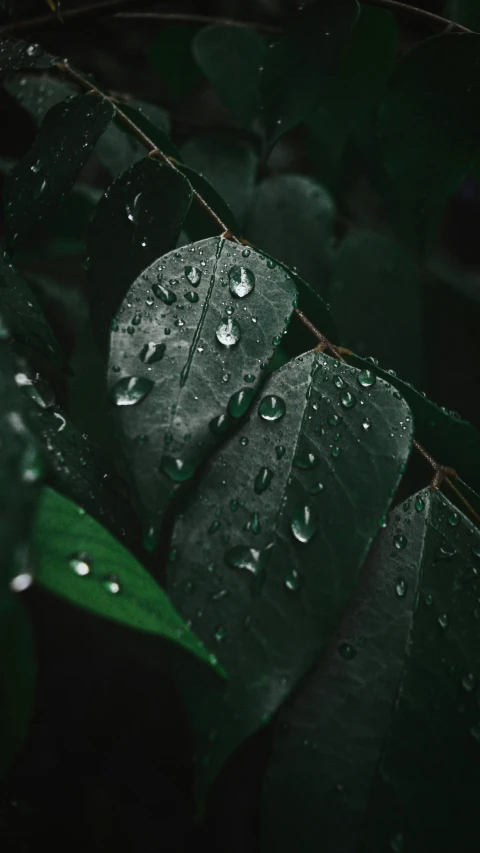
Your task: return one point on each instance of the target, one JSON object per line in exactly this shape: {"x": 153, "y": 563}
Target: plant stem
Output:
{"x": 442, "y": 475}
{"x": 405, "y": 8}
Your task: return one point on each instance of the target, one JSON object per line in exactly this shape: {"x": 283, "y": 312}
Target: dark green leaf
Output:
{"x": 355, "y": 89}
{"x": 451, "y": 440}
{"x": 18, "y": 54}
{"x": 230, "y": 58}
{"x": 292, "y": 219}
{"x": 331, "y": 733}
{"x": 153, "y": 122}
{"x": 36, "y": 186}
{"x": 271, "y": 543}
{"x": 197, "y": 329}
{"x": 429, "y": 125}
{"x": 199, "y": 223}
{"x": 375, "y": 299}
{"x": 170, "y": 55}
{"x": 80, "y": 561}
{"x": 229, "y": 163}
{"x": 38, "y": 93}
{"x": 298, "y": 68}
{"x": 465, "y": 12}
{"x": 138, "y": 219}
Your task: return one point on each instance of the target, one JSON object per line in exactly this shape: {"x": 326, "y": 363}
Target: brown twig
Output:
{"x": 443, "y": 474}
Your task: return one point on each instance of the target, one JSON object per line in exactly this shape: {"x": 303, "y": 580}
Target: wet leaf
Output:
{"x": 333, "y": 730}
{"x": 81, "y": 562}
{"x": 292, "y": 218}
{"x": 429, "y": 125}
{"x": 229, "y": 163}
{"x": 138, "y": 219}
{"x": 199, "y": 223}
{"x": 192, "y": 341}
{"x": 38, "y": 183}
{"x": 298, "y": 68}
{"x": 231, "y": 59}
{"x": 375, "y": 299}
{"x": 262, "y": 539}
{"x": 15, "y": 55}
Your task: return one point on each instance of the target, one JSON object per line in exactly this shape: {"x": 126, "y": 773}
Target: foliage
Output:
{"x": 258, "y": 518}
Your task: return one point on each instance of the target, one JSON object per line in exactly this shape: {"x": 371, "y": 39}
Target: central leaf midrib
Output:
{"x": 198, "y": 330}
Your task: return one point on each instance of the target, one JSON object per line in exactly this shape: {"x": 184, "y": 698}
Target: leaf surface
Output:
{"x": 263, "y": 565}
{"x": 15, "y": 55}
{"x": 23, "y": 317}
{"x": 199, "y": 223}
{"x": 193, "y": 337}
{"x": 38, "y": 183}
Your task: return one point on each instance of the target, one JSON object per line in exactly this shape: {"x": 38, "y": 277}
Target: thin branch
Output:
{"x": 108, "y": 7}
{"x": 442, "y": 475}
{"x": 405, "y": 8}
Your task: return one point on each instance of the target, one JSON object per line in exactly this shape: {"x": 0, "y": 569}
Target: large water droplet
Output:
{"x": 347, "y": 400}
{"x": 177, "y": 469}
{"x": 112, "y": 584}
{"x": 400, "y": 542}
{"x": 241, "y": 281}
{"x": 221, "y": 424}
{"x": 253, "y": 526}
{"x": 80, "y": 563}
{"x": 193, "y": 275}
{"x": 272, "y": 408}
{"x": 152, "y": 353}
{"x": 366, "y": 378}
{"x": 164, "y": 293}
{"x": 263, "y": 480}
{"x": 228, "y": 332}
{"x": 307, "y": 461}
{"x": 304, "y": 524}
{"x": 130, "y": 390}
{"x": 294, "y": 580}
{"x": 251, "y": 560}
{"x": 21, "y": 582}
{"x": 401, "y": 587}
{"x": 443, "y": 621}
{"x": 239, "y": 402}
{"x": 338, "y": 382}
{"x": 454, "y": 519}
{"x": 191, "y": 296}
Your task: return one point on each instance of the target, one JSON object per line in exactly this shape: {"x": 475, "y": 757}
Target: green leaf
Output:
{"x": 450, "y": 440}
{"x": 15, "y": 55}
{"x": 231, "y": 58}
{"x": 38, "y": 93}
{"x": 171, "y": 57}
{"x": 375, "y": 299}
{"x": 81, "y": 562}
{"x": 298, "y": 68}
{"x": 229, "y": 163}
{"x": 38, "y": 183}
{"x": 270, "y": 545}
{"x": 292, "y": 219}
{"x": 199, "y": 223}
{"x": 429, "y": 126}
{"x": 153, "y": 122}
{"x": 465, "y": 12}
{"x": 191, "y": 341}
{"x": 138, "y": 219}
{"x": 355, "y": 90}
{"x": 328, "y": 737}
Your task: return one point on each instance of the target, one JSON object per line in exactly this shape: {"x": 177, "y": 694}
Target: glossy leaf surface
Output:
{"x": 15, "y": 55}
{"x": 199, "y": 223}
{"x": 138, "y": 219}
{"x": 298, "y": 68}
{"x": 193, "y": 338}
{"x": 38, "y": 183}
{"x": 263, "y": 567}
{"x": 23, "y": 317}
{"x": 81, "y": 562}
{"x": 231, "y": 59}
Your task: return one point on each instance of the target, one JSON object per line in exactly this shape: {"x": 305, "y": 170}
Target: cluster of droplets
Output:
{"x": 80, "y": 563}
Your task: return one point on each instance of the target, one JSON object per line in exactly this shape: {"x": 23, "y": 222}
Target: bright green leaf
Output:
{"x": 271, "y": 543}
{"x": 38, "y": 183}
{"x": 300, "y": 65}
{"x": 231, "y": 59}
{"x": 138, "y": 219}
{"x": 189, "y": 349}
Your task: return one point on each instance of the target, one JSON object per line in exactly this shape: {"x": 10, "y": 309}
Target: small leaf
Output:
{"x": 81, "y": 562}
{"x": 375, "y": 299}
{"x": 138, "y": 219}
{"x": 171, "y": 57}
{"x": 199, "y": 223}
{"x": 231, "y": 59}
{"x": 264, "y": 542}
{"x": 193, "y": 337}
{"x": 429, "y": 126}
{"x": 292, "y": 219}
{"x": 15, "y": 55}
{"x": 298, "y": 68}
{"x": 36, "y": 186}
{"x": 229, "y": 163}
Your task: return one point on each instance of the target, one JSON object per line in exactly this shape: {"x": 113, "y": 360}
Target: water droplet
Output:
{"x": 173, "y": 555}
{"x": 382, "y": 522}
{"x": 397, "y": 843}
{"x": 219, "y": 634}
{"x": 228, "y": 332}
{"x": 249, "y": 377}
{"x": 366, "y": 378}
{"x": 253, "y": 526}
{"x": 250, "y": 559}
{"x": 272, "y": 408}
{"x": 163, "y": 293}
{"x": 21, "y": 582}
{"x": 80, "y": 563}
{"x": 215, "y": 525}
{"x": 241, "y": 281}
{"x": 468, "y": 682}
{"x": 304, "y": 524}
{"x": 193, "y": 275}
{"x": 347, "y": 400}
{"x": 317, "y": 489}
{"x": 306, "y": 461}
{"x": 246, "y": 253}
{"x": 244, "y": 441}
{"x": 263, "y": 480}
{"x": 334, "y": 420}
{"x": 35, "y": 167}
{"x": 338, "y": 382}
{"x": 111, "y": 584}
{"x": 454, "y": 519}
{"x": 335, "y": 452}
{"x": 191, "y": 296}
{"x": 443, "y": 621}
{"x": 428, "y": 599}
{"x": 366, "y": 424}
{"x": 400, "y": 542}
{"x": 137, "y": 318}
{"x": 280, "y": 451}
{"x": 239, "y": 402}
{"x": 177, "y": 469}
{"x": 347, "y": 651}
{"x": 401, "y": 587}
{"x": 221, "y": 424}
{"x": 276, "y": 341}
{"x": 419, "y": 504}
{"x": 294, "y": 580}
{"x": 152, "y": 353}
{"x": 130, "y": 390}
{"x": 32, "y": 465}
